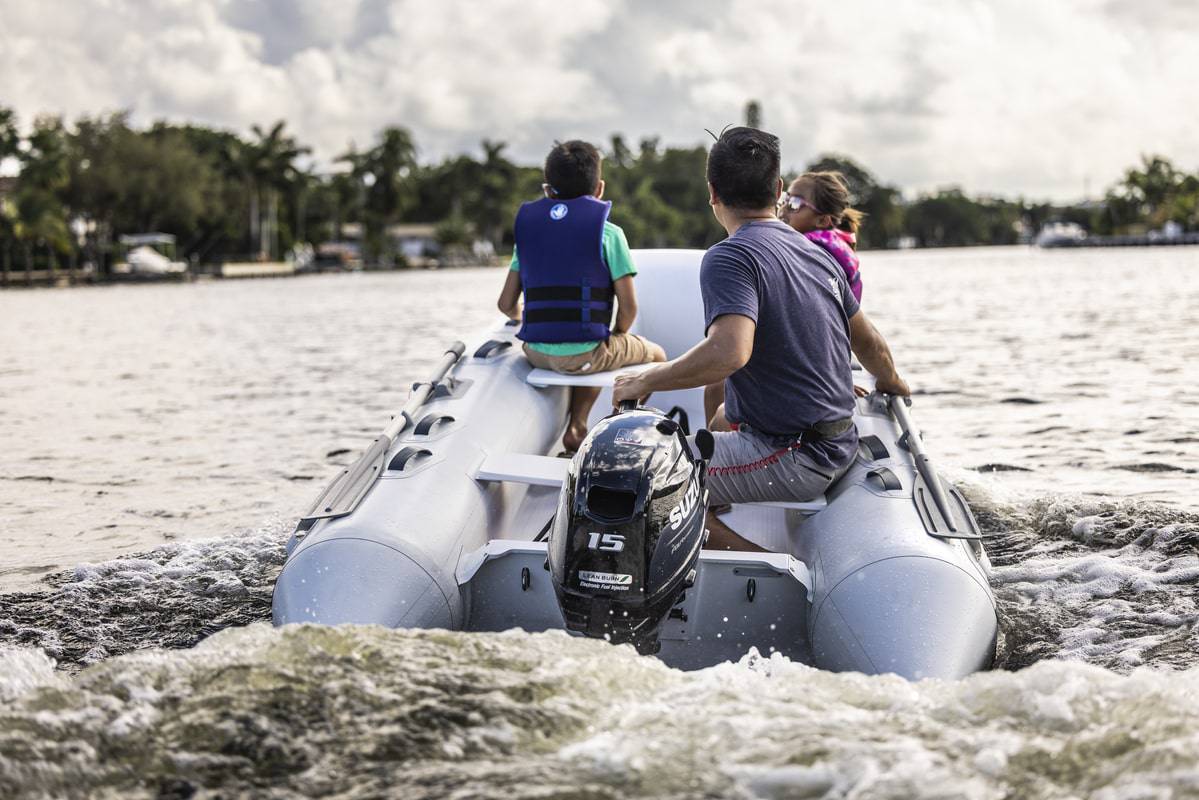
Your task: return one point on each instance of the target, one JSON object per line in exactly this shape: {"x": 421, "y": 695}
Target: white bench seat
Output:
{"x": 521, "y": 468}
{"x": 546, "y": 377}
{"x": 548, "y": 471}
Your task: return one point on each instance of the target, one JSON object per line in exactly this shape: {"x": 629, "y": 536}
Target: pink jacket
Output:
{"x": 838, "y": 244}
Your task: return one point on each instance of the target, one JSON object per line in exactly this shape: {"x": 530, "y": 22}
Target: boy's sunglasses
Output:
{"x": 794, "y": 202}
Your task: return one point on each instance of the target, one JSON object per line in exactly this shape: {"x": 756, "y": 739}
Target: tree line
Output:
{"x": 226, "y": 196}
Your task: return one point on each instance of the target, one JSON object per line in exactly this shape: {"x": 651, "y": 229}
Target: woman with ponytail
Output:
{"x": 817, "y": 205}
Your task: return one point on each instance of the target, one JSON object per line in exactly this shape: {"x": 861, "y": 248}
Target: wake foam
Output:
{"x": 171, "y": 597}
{"x": 365, "y": 711}
{"x": 1109, "y": 583}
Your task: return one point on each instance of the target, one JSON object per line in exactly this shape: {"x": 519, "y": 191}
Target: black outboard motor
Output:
{"x": 629, "y": 527}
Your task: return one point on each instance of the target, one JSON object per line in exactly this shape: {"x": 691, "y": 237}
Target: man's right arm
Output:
{"x": 726, "y": 349}
{"x": 871, "y": 349}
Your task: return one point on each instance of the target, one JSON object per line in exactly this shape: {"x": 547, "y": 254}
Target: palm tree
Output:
{"x": 496, "y": 201}
{"x": 10, "y": 140}
{"x": 383, "y": 171}
{"x": 41, "y": 215}
{"x": 268, "y": 164}
{"x": 10, "y": 137}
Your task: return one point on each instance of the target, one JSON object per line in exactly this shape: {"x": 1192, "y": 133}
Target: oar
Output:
{"x": 348, "y": 488}
{"x": 421, "y": 391}
{"x": 899, "y": 407}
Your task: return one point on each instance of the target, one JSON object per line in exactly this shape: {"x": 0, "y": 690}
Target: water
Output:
{"x": 158, "y": 443}
{"x": 357, "y": 712}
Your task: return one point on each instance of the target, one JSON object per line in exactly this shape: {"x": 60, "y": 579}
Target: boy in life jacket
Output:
{"x": 573, "y": 267}
{"x": 817, "y": 205}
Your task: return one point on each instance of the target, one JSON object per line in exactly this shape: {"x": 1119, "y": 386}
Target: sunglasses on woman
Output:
{"x": 795, "y": 202}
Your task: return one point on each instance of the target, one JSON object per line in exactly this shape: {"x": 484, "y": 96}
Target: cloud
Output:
{"x": 288, "y": 27}
{"x": 1012, "y": 97}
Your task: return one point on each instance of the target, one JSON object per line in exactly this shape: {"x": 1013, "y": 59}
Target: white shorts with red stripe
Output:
{"x": 749, "y": 468}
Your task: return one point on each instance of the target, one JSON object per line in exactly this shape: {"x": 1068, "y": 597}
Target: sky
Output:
{"x": 1044, "y": 99}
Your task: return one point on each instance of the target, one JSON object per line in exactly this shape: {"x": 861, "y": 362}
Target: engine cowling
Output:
{"x": 628, "y": 528}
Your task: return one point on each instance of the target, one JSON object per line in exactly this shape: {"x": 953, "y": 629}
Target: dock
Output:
{"x": 257, "y": 269}
{"x": 64, "y": 276}
{"x": 1137, "y": 240}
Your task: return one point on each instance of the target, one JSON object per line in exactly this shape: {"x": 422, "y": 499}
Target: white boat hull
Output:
{"x": 446, "y": 535}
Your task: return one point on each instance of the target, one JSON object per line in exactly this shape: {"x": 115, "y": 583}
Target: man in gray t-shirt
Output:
{"x": 780, "y": 323}
{"x": 799, "y": 373}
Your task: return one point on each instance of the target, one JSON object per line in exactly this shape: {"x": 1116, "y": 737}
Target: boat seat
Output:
{"x": 549, "y": 471}
{"x": 521, "y": 468}
{"x": 546, "y": 377}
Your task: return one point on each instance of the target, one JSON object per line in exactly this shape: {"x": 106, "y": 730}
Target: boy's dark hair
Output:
{"x": 572, "y": 169}
{"x": 743, "y": 168}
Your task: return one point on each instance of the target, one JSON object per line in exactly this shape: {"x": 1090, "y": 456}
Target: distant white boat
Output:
{"x": 1059, "y": 234}
{"x": 149, "y": 254}
{"x": 145, "y": 260}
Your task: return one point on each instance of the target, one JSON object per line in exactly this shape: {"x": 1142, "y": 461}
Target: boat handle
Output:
{"x": 492, "y": 347}
{"x": 429, "y": 422}
{"x": 887, "y": 480}
{"x": 878, "y": 450}
{"x": 402, "y": 458}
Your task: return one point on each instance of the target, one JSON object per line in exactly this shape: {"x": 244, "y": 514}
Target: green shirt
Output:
{"x": 615, "y": 250}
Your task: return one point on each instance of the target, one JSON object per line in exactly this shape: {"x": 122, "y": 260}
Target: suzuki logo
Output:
{"x": 680, "y": 512}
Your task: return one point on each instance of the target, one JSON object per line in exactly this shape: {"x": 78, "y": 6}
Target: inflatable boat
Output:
{"x": 448, "y": 521}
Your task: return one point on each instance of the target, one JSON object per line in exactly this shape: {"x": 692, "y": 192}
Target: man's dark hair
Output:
{"x": 572, "y": 169}
{"x": 743, "y": 168}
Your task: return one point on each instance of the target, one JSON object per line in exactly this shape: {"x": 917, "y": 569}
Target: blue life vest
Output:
{"x": 567, "y": 285}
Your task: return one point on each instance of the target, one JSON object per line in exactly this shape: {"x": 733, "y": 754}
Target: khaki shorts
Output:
{"x": 621, "y": 350}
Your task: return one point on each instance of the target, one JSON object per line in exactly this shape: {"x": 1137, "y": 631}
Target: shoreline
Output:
{"x": 63, "y": 278}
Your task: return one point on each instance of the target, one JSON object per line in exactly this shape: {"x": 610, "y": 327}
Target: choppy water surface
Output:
{"x": 158, "y": 443}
